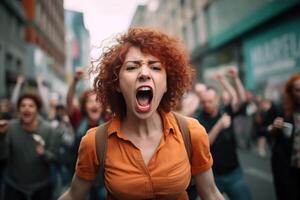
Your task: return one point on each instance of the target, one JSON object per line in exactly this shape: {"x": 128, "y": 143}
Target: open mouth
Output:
{"x": 94, "y": 110}
{"x": 26, "y": 114}
{"x": 144, "y": 97}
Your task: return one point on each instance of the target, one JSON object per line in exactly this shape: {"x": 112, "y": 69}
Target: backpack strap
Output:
{"x": 101, "y": 145}
{"x": 185, "y": 132}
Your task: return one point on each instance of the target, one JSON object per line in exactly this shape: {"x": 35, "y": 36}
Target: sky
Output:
{"x": 104, "y": 18}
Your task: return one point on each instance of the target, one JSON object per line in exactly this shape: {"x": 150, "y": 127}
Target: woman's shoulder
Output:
{"x": 90, "y": 134}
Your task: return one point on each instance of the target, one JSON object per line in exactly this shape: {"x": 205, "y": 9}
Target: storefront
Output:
{"x": 271, "y": 55}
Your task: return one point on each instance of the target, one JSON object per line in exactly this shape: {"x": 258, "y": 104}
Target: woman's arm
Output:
{"x": 78, "y": 190}
{"x": 206, "y": 186}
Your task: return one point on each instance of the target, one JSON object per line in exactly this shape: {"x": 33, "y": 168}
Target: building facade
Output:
{"x": 260, "y": 37}
{"x": 12, "y": 44}
{"x": 78, "y": 43}
{"x": 45, "y": 38}
{"x": 80, "y": 39}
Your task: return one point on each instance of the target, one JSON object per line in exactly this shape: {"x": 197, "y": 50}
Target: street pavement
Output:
{"x": 258, "y": 175}
{"x": 257, "y": 171}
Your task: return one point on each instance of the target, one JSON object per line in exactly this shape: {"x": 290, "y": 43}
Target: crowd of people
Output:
{"x": 48, "y": 147}
{"x": 259, "y": 124}
{"x": 40, "y": 137}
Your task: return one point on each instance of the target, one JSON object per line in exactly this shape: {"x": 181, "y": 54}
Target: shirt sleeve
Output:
{"x": 201, "y": 156}
{"x": 87, "y": 162}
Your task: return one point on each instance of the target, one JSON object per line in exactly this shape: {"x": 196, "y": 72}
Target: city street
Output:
{"x": 70, "y": 66}
{"x": 258, "y": 174}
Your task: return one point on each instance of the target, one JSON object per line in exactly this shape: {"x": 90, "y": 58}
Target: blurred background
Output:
{"x": 51, "y": 39}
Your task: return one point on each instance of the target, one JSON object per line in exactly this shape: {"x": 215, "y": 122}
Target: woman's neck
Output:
{"x": 142, "y": 127}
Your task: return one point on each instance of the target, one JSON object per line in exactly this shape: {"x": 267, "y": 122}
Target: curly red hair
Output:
{"x": 290, "y": 102}
{"x": 150, "y": 41}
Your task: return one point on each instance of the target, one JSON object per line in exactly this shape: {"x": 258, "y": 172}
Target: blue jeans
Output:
{"x": 234, "y": 185}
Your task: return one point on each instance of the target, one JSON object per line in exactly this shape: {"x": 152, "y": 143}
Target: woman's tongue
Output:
{"x": 143, "y": 104}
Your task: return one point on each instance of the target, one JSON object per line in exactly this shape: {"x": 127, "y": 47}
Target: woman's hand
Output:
{"x": 277, "y": 124}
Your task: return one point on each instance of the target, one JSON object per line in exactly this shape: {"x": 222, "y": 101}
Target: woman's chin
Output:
{"x": 94, "y": 117}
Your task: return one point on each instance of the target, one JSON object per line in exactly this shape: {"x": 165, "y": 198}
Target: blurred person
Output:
{"x": 265, "y": 115}
{"x": 29, "y": 146}
{"x": 217, "y": 119}
{"x": 5, "y": 116}
{"x": 63, "y": 170}
{"x": 141, "y": 78}
{"x": 236, "y": 97}
{"x": 199, "y": 89}
{"x": 17, "y": 90}
{"x": 189, "y": 104}
{"x": 6, "y": 112}
{"x": 50, "y": 99}
{"x": 244, "y": 123}
{"x": 87, "y": 114}
{"x": 285, "y": 130}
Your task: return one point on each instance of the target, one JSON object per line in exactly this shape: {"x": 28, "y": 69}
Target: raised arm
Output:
{"x": 241, "y": 92}
{"x": 17, "y": 90}
{"x": 43, "y": 93}
{"x": 78, "y": 190}
{"x": 71, "y": 91}
{"x": 223, "y": 123}
{"x": 228, "y": 88}
{"x": 206, "y": 186}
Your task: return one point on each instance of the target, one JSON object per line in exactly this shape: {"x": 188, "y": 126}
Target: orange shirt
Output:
{"x": 167, "y": 174}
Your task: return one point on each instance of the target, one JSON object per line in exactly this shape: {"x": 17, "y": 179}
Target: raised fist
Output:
{"x": 232, "y": 72}
{"x": 79, "y": 72}
{"x": 225, "y": 121}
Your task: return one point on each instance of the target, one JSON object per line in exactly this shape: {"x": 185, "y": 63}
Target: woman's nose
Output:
{"x": 144, "y": 73}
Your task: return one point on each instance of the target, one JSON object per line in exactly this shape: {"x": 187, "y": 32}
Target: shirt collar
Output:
{"x": 114, "y": 126}
{"x": 168, "y": 127}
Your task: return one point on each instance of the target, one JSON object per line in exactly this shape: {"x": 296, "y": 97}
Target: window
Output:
{"x": 195, "y": 29}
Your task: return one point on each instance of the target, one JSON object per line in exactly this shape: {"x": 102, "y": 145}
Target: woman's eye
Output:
{"x": 131, "y": 67}
{"x": 156, "y": 67}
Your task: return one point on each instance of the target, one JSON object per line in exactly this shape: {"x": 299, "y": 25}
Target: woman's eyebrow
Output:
{"x": 141, "y": 61}
{"x": 153, "y": 61}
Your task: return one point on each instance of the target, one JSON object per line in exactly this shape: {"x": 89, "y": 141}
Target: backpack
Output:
{"x": 101, "y": 140}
